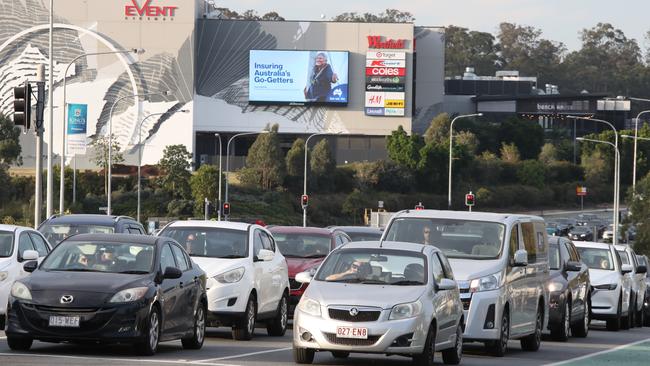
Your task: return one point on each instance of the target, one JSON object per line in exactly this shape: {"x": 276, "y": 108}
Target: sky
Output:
{"x": 559, "y": 20}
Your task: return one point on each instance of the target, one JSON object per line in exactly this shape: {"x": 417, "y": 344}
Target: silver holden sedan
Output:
{"x": 380, "y": 297}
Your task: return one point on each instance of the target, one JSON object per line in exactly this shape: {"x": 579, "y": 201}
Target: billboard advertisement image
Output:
{"x": 298, "y": 77}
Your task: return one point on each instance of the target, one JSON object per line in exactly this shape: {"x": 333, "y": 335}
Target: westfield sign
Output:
{"x": 147, "y": 10}
{"x": 379, "y": 42}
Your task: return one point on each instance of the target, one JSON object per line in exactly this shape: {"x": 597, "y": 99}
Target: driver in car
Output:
{"x": 357, "y": 269}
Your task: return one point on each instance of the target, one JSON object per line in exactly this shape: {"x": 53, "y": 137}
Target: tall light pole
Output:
{"x": 50, "y": 123}
{"x": 636, "y": 136}
{"x": 617, "y": 181}
{"x": 218, "y": 136}
{"x": 228, "y": 154}
{"x": 304, "y": 190}
{"x": 110, "y": 142}
{"x": 65, "y": 111}
{"x": 451, "y": 141}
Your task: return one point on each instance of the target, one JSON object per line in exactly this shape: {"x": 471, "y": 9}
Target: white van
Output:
{"x": 501, "y": 265}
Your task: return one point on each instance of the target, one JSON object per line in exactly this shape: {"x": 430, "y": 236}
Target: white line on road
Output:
{"x": 242, "y": 355}
{"x": 108, "y": 359}
{"x": 598, "y": 353}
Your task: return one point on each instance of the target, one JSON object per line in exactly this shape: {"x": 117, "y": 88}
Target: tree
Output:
{"x": 532, "y": 173}
{"x": 640, "y": 210}
{"x": 9, "y": 142}
{"x": 548, "y": 153}
{"x": 322, "y": 165}
{"x": 295, "y": 159}
{"x": 205, "y": 184}
{"x": 468, "y": 141}
{"x": 404, "y": 149}
{"x": 527, "y": 135}
{"x": 438, "y": 130}
{"x": 100, "y": 155}
{"x": 265, "y": 166}
{"x": 175, "y": 168}
{"x": 464, "y": 48}
{"x": 387, "y": 16}
{"x": 249, "y": 14}
{"x": 509, "y": 152}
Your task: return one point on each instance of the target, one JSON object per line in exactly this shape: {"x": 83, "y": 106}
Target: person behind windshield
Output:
{"x": 429, "y": 235}
{"x": 357, "y": 270}
{"x": 82, "y": 261}
{"x": 106, "y": 258}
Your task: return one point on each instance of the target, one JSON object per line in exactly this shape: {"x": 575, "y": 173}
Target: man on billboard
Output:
{"x": 321, "y": 79}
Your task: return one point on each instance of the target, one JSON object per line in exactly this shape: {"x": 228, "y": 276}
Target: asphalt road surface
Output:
{"x": 631, "y": 347}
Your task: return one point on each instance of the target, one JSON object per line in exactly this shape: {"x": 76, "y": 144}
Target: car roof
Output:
{"x": 86, "y": 219}
{"x": 300, "y": 230}
{"x": 395, "y": 245}
{"x": 117, "y": 238}
{"x": 464, "y": 215}
{"x": 4, "y": 227}
{"x": 556, "y": 239}
{"x": 357, "y": 229}
{"x": 622, "y": 247}
{"x": 212, "y": 224}
{"x": 591, "y": 244}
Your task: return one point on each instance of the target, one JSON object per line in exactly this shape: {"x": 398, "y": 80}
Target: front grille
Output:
{"x": 294, "y": 285}
{"x": 66, "y": 310}
{"x": 362, "y": 316}
{"x": 331, "y": 337}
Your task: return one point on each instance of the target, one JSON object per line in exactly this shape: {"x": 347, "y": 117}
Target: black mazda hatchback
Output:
{"x": 110, "y": 288}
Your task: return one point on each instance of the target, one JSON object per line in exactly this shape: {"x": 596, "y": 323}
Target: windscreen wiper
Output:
{"x": 407, "y": 283}
{"x": 231, "y": 256}
{"x": 134, "y": 272}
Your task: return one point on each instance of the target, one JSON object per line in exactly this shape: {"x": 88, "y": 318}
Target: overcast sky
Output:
{"x": 560, "y": 20}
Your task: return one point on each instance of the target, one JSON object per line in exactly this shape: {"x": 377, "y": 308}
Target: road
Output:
{"x": 630, "y": 347}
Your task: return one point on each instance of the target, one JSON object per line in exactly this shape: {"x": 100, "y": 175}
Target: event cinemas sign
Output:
{"x": 149, "y": 9}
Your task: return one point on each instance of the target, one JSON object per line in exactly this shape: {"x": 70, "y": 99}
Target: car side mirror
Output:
{"x": 264, "y": 255}
{"x": 573, "y": 266}
{"x": 30, "y": 266}
{"x": 626, "y": 268}
{"x": 641, "y": 269}
{"x": 446, "y": 284}
{"x": 172, "y": 273}
{"x": 521, "y": 258}
{"x": 29, "y": 255}
{"x": 304, "y": 277}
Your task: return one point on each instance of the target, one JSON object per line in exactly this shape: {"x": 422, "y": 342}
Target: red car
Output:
{"x": 304, "y": 249}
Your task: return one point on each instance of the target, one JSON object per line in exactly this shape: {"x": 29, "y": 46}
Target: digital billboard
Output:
{"x": 298, "y": 77}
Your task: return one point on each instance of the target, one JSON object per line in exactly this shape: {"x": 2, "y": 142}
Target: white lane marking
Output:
{"x": 107, "y": 359}
{"x": 243, "y": 355}
{"x": 598, "y": 353}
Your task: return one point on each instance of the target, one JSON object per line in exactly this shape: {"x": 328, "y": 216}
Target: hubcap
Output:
{"x": 538, "y": 328}
{"x": 153, "y": 331}
{"x": 567, "y": 320}
{"x": 251, "y": 317}
{"x": 586, "y": 317}
{"x": 505, "y": 332}
{"x": 200, "y": 325}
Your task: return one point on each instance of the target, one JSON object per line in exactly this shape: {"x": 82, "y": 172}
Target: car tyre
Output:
{"x": 626, "y": 322}
{"x": 278, "y": 325}
{"x": 150, "y": 345}
{"x": 303, "y": 355}
{"x": 452, "y": 356}
{"x": 428, "y": 352}
{"x": 19, "y": 343}
{"x": 198, "y": 331}
{"x": 340, "y": 354}
{"x": 614, "y": 324}
{"x": 499, "y": 347}
{"x": 244, "y": 329}
{"x": 581, "y": 329}
{"x": 532, "y": 342}
{"x": 560, "y": 332}
{"x": 640, "y": 318}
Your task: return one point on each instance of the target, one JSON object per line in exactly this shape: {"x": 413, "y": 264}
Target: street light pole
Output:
{"x": 228, "y": 156}
{"x": 304, "y": 190}
{"x": 451, "y": 136}
{"x": 636, "y": 136}
{"x": 218, "y": 136}
{"x": 50, "y": 122}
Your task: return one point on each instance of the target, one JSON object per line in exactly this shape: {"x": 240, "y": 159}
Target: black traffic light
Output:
{"x": 469, "y": 199}
{"x": 419, "y": 206}
{"x": 23, "y": 105}
{"x": 226, "y": 208}
{"x": 304, "y": 200}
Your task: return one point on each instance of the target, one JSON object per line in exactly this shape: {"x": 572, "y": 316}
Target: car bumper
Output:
{"x": 604, "y": 303}
{"x": 484, "y": 307}
{"x": 5, "y": 289}
{"x": 119, "y": 323}
{"x": 228, "y": 298}
{"x": 382, "y": 335}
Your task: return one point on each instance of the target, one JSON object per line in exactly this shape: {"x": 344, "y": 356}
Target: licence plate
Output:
{"x": 352, "y": 332}
{"x": 64, "y": 321}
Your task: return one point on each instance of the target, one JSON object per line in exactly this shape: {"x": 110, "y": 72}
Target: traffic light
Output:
{"x": 23, "y": 105}
{"x": 226, "y": 208}
{"x": 469, "y": 199}
{"x": 304, "y": 200}
{"x": 419, "y": 206}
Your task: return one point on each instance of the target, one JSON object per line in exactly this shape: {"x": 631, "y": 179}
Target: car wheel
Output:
{"x": 243, "y": 330}
{"x": 198, "y": 332}
{"x": 533, "y": 341}
{"x": 560, "y": 332}
{"x": 340, "y": 354}
{"x": 150, "y": 344}
{"x": 278, "y": 325}
{"x": 428, "y": 351}
{"x": 640, "y": 318}
{"x": 19, "y": 343}
{"x": 582, "y": 329}
{"x": 615, "y": 323}
{"x": 498, "y": 348}
{"x": 303, "y": 355}
{"x": 452, "y": 356}
{"x": 626, "y": 322}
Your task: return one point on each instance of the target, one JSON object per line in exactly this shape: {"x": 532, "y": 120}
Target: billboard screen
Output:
{"x": 298, "y": 77}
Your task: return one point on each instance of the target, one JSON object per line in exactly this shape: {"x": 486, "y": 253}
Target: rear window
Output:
{"x": 56, "y": 233}
{"x": 209, "y": 241}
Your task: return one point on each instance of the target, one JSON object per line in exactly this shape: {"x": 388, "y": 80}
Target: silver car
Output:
{"x": 373, "y": 297}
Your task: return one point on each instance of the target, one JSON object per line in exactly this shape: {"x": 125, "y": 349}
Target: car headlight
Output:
{"x": 129, "y": 295}
{"x": 20, "y": 291}
{"x": 231, "y": 276}
{"x": 555, "y": 286}
{"x": 309, "y": 306}
{"x": 583, "y": 235}
{"x": 607, "y": 286}
{"x": 486, "y": 283}
{"x": 312, "y": 271}
{"x": 3, "y": 275}
{"x": 405, "y": 311}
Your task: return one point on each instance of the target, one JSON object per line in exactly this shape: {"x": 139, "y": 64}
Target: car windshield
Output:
{"x": 375, "y": 267}
{"x": 580, "y": 230}
{"x": 303, "y": 245}
{"x": 456, "y": 238}
{"x": 554, "y": 256}
{"x": 624, "y": 258}
{"x": 596, "y": 258}
{"x": 210, "y": 242}
{"x": 56, "y": 233}
{"x": 364, "y": 236}
{"x": 83, "y": 256}
{"x": 6, "y": 244}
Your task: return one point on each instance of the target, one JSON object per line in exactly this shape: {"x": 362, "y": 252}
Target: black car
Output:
{"x": 132, "y": 289}
{"x": 569, "y": 287}
{"x": 643, "y": 261}
{"x": 565, "y": 225}
{"x": 360, "y": 233}
{"x": 59, "y": 227}
{"x": 581, "y": 233}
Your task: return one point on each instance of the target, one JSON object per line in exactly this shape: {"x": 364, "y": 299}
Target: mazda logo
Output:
{"x": 354, "y": 312}
{"x": 66, "y": 299}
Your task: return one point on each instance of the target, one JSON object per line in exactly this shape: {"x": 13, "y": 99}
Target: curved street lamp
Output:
{"x": 304, "y": 190}
{"x": 451, "y": 141}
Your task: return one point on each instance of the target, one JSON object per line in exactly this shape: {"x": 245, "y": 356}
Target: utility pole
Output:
{"x": 50, "y": 120}
{"x": 38, "y": 131}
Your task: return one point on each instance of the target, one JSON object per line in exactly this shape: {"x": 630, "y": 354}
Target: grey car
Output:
{"x": 388, "y": 298}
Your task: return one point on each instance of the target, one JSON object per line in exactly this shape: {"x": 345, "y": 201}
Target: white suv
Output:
{"x": 18, "y": 245}
{"x": 247, "y": 275}
{"x": 637, "y": 276}
{"x": 611, "y": 295}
